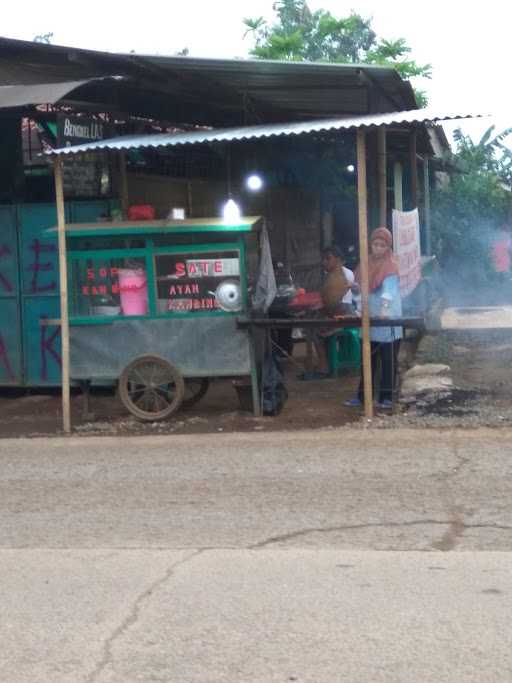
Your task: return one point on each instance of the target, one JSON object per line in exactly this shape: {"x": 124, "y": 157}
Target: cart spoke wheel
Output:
{"x": 151, "y": 389}
{"x": 195, "y": 389}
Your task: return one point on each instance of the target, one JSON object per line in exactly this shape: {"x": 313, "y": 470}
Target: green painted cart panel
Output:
{"x": 190, "y": 226}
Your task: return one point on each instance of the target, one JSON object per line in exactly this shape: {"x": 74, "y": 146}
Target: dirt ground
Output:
{"x": 481, "y": 368}
{"x": 313, "y": 404}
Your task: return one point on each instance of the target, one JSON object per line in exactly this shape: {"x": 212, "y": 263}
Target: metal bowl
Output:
{"x": 229, "y": 296}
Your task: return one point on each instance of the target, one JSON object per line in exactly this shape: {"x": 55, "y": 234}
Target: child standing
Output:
{"x": 384, "y": 301}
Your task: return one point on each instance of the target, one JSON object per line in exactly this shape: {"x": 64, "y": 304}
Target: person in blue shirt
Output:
{"x": 384, "y": 301}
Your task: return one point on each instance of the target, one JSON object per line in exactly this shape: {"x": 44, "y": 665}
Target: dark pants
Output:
{"x": 283, "y": 340}
{"x": 387, "y": 354}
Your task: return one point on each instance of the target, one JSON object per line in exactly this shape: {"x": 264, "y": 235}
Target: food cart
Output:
{"x": 153, "y": 305}
{"x": 408, "y": 121}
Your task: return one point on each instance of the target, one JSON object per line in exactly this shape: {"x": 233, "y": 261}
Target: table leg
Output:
{"x": 309, "y": 351}
{"x": 85, "y": 386}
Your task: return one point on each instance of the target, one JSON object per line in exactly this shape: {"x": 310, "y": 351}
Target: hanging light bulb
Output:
{"x": 231, "y": 212}
{"x": 351, "y": 168}
{"x": 254, "y": 182}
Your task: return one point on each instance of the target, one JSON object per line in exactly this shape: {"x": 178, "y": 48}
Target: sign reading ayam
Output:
{"x": 406, "y": 245}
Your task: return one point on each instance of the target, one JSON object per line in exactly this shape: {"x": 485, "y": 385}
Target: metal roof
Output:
{"x": 215, "y": 92}
{"x": 216, "y": 136}
{"x": 303, "y": 89}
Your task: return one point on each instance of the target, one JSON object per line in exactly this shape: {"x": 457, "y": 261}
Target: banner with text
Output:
{"x": 406, "y": 245}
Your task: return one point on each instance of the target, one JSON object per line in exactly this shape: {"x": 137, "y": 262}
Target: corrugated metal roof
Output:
{"x": 416, "y": 116}
{"x": 42, "y": 93}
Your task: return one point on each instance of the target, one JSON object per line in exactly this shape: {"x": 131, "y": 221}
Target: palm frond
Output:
{"x": 486, "y": 136}
{"x": 504, "y": 134}
{"x": 458, "y": 135}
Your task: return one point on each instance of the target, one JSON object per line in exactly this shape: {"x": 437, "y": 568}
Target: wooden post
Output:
{"x": 363, "y": 261}
{"x": 63, "y": 274}
{"x": 398, "y": 185}
{"x": 123, "y": 189}
{"x": 426, "y": 197}
{"x": 382, "y": 167}
{"x": 414, "y": 168}
{"x": 190, "y": 211}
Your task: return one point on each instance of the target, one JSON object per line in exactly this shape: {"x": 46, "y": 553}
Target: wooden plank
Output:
{"x": 413, "y": 160}
{"x": 330, "y": 323}
{"x": 49, "y": 322}
{"x": 382, "y": 174}
{"x": 123, "y": 181}
{"x": 362, "y": 200}
{"x": 426, "y": 196}
{"x": 398, "y": 186}
{"x": 63, "y": 274}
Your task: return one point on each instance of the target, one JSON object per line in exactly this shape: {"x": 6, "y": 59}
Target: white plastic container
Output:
{"x": 107, "y": 310}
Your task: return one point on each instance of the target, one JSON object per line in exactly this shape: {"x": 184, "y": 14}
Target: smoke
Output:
{"x": 468, "y": 219}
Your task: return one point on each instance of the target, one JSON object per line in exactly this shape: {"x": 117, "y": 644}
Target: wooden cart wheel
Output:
{"x": 195, "y": 389}
{"x": 151, "y": 389}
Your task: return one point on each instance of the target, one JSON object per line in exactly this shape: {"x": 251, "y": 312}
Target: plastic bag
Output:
{"x": 266, "y": 287}
{"x": 141, "y": 212}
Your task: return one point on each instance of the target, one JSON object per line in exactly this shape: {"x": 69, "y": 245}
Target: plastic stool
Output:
{"x": 344, "y": 351}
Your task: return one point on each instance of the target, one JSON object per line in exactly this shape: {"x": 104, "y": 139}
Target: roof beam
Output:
{"x": 372, "y": 82}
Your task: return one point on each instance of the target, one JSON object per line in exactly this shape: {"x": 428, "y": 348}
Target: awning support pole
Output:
{"x": 382, "y": 173}
{"x": 414, "y": 168}
{"x": 63, "y": 274}
{"x": 398, "y": 183}
{"x": 123, "y": 189}
{"x": 362, "y": 199}
{"x": 426, "y": 195}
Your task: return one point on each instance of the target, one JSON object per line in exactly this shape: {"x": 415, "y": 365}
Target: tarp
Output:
{"x": 43, "y": 93}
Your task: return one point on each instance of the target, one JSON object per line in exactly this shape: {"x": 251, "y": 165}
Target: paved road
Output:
{"x": 317, "y": 556}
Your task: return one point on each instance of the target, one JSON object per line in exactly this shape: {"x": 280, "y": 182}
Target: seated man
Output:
{"x": 334, "y": 296}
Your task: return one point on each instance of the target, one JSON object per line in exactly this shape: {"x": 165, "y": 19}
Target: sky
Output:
{"x": 468, "y": 44}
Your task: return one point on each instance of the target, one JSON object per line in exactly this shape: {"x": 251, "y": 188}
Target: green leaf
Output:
{"x": 486, "y": 136}
{"x": 298, "y": 33}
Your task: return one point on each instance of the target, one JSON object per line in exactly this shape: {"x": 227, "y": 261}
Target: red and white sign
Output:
{"x": 406, "y": 245}
{"x": 219, "y": 267}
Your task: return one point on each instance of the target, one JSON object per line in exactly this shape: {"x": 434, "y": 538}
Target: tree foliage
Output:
{"x": 299, "y": 34}
{"x": 45, "y": 38}
{"x": 469, "y": 211}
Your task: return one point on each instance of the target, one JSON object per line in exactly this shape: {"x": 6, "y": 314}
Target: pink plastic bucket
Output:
{"x": 133, "y": 288}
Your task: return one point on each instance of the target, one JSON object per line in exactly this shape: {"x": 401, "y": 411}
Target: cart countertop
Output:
{"x": 187, "y": 226}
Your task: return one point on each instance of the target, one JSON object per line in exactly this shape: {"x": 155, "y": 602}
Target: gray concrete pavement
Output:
{"x": 381, "y": 490}
{"x": 312, "y": 616}
{"x": 318, "y": 557}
